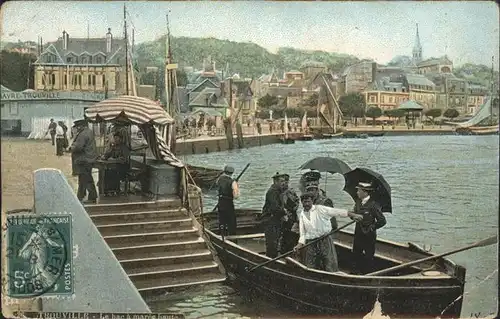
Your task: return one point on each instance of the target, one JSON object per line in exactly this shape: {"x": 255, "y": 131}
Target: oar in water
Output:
{"x": 237, "y": 179}
{"x": 485, "y": 242}
{"x": 310, "y": 243}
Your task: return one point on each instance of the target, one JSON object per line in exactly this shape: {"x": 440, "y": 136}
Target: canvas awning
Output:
{"x": 135, "y": 109}
{"x": 155, "y": 124}
{"x": 410, "y": 105}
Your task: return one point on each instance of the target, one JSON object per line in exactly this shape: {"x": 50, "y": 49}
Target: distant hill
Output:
{"x": 476, "y": 73}
{"x": 247, "y": 59}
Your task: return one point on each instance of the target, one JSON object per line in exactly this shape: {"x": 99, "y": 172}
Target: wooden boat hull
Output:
{"x": 306, "y": 137}
{"x": 376, "y": 134}
{"x": 287, "y": 140}
{"x": 478, "y": 130}
{"x": 311, "y": 291}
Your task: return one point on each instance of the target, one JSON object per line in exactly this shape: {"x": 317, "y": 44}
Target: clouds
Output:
{"x": 466, "y": 31}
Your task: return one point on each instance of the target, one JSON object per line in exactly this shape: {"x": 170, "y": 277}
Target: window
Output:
{"x": 89, "y": 79}
{"x": 52, "y": 79}
{"x": 104, "y": 80}
{"x": 93, "y": 79}
{"x": 69, "y": 59}
{"x": 65, "y": 79}
{"x": 403, "y": 89}
{"x": 13, "y": 109}
{"x": 391, "y": 99}
{"x": 394, "y": 89}
{"x": 372, "y": 99}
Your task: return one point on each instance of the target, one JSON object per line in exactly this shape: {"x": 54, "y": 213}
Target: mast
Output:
{"x": 492, "y": 90}
{"x": 126, "y": 48}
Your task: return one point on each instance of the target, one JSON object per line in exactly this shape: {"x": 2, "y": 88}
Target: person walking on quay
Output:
{"x": 291, "y": 202}
{"x": 83, "y": 155}
{"x": 273, "y": 214}
{"x": 65, "y": 134}
{"x": 228, "y": 191}
{"x": 52, "y": 130}
{"x": 365, "y": 233}
{"x": 314, "y": 222}
{"x": 59, "y": 139}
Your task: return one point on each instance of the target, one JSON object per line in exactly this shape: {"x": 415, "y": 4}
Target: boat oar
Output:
{"x": 237, "y": 179}
{"x": 292, "y": 251}
{"x": 485, "y": 242}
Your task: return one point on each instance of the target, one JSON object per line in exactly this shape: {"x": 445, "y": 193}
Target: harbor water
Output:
{"x": 444, "y": 194}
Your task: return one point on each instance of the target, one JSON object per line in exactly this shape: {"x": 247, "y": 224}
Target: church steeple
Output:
{"x": 417, "y": 49}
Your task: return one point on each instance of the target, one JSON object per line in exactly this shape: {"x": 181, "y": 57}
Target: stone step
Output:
{"x": 130, "y": 240}
{"x": 135, "y": 206}
{"x": 145, "y": 227}
{"x": 147, "y": 216}
{"x": 147, "y": 277}
{"x": 157, "y": 287}
{"x": 157, "y": 250}
{"x": 167, "y": 258}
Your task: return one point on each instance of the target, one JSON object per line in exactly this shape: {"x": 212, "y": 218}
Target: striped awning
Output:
{"x": 135, "y": 109}
{"x": 159, "y": 146}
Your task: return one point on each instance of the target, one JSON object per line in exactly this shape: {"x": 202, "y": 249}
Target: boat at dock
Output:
{"x": 477, "y": 130}
{"x": 436, "y": 286}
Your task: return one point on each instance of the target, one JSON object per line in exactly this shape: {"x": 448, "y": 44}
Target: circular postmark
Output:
{"x": 37, "y": 254}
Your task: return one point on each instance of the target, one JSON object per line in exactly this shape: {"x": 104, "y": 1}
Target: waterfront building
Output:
{"x": 311, "y": 68}
{"x": 421, "y": 89}
{"x": 82, "y": 65}
{"x": 29, "y": 112}
{"x": 357, "y": 78}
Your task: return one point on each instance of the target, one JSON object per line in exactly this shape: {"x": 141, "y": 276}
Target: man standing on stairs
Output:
{"x": 228, "y": 191}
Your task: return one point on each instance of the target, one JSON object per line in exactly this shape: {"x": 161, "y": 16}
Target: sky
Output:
{"x": 466, "y": 31}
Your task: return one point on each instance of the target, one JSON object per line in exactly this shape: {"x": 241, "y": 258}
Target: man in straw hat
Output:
{"x": 314, "y": 222}
{"x": 273, "y": 214}
{"x": 83, "y": 155}
{"x": 228, "y": 191}
{"x": 365, "y": 233}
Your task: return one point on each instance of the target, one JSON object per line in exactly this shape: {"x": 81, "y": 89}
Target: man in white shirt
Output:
{"x": 60, "y": 139}
{"x": 314, "y": 222}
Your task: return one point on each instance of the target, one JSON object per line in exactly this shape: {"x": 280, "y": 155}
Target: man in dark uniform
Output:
{"x": 228, "y": 191}
{"x": 291, "y": 202}
{"x": 83, "y": 154}
{"x": 52, "y": 131}
{"x": 273, "y": 214}
{"x": 365, "y": 233}
{"x": 120, "y": 153}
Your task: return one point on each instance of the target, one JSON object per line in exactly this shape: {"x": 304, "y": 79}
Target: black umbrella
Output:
{"x": 381, "y": 190}
{"x": 327, "y": 164}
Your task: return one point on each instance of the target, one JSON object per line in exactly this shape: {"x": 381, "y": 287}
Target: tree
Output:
{"x": 353, "y": 105}
{"x": 16, "y": 70}
{"x": 267, "y": 101}
{"x": 373, "y": 112}
{"x": 433, "y": 113}
{"x": 451, "y": 113}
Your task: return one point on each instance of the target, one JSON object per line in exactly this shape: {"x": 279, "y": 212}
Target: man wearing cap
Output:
{"x": 365, "y": 233}
{"x": 273, "y": 214}
{"x": 228, "y": 191}
{"x": 314, "y": 222}
{"x": 52, "y": 130}
{"x": 311, "y": 184}
{"x": 291, "y": 202}
{"x": 83, "y": 155}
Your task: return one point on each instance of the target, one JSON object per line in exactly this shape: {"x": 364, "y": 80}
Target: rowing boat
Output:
{"x": 425, "y": 290}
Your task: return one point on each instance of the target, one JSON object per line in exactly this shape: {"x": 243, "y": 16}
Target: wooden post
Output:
{"x": 239, "y": 133}
{"x": 229, "y": 133}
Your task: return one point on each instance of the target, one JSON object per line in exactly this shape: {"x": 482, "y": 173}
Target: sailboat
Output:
{"x": 286, "y": 139}
{"x": 480, "y": 126}
{"x": 305, "y": 136}
{"x": 204, "y": 177}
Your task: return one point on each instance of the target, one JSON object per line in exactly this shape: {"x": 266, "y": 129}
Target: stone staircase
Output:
{"x": 157, "y": 245}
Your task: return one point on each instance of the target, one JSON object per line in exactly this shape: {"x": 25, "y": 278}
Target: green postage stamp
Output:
{"x": 39, "y": 255}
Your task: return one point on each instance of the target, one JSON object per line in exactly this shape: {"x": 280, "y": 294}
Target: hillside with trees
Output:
{"x": 247, "y": 59}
